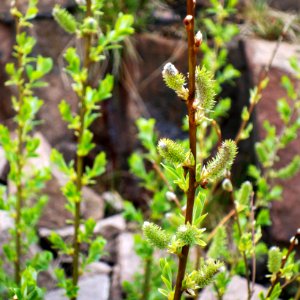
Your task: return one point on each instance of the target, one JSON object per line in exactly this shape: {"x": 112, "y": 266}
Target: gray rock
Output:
{"x": 237, "y": 290}
{"x": 98, "y": 268}
{"x": 4, "y": 166}
{"x": 114, "y": 200}
{"x": 92, "y": 287}
{"x": 55, "y": 213}
{"x": 128, "y": 261}
{"x": 107, "y": 227}
{"x": 259, "y": 53}
{"x": 115, "y": 288}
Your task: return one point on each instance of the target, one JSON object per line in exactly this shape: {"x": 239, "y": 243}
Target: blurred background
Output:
{"x": 139, "y": 91}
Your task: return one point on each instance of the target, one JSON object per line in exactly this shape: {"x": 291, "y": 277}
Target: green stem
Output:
{"x": 79, "y": 164}
{"x": 237, "y": 219}
{"x": 147, "y": 278}
{"x": 19, "y": 201}
{"x": 189, "y": 22}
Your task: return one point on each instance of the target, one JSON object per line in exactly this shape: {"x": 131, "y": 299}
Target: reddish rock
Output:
{"x": 285, "y": 214}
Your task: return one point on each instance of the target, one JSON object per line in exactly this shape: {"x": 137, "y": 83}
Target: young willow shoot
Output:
{"x": 95, "y": 43}
{"x": 191, "y": 176}
{"x": 23, "y": 198}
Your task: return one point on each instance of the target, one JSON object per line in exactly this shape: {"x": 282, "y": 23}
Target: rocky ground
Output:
{"x": 140, "y": 92}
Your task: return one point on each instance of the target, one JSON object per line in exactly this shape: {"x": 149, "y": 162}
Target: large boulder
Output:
{"x": 258, "y": 54}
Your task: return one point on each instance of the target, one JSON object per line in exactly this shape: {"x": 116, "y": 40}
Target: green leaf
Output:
{"x": 132, "y": 214}
{"x": 58, "y": 159}
{"x": 44, "y": 65}
{"x": 276, "y": 292}
{"x": 71, "y": 192}
{"x": 73, "y": 61}
{"x": 123, "y": 25}
{"x": 288, "y": 85}
{"x": 65, "y": 111}
{"x": 263, "y": 218}
{"x": 58, "y": 242}
{"x": 41, "y": 260}
{"x": 98, "y": 167}
{"x": 105, "y": 87}
{"x": 96, "y": 250}
{"x": 85, "y": 145}
{"x": 284, "y": 110}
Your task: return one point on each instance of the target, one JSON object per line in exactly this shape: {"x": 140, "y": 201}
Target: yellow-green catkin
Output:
{"x": 244, "y": 194}
{"x": 172, "y": 151}
{"x": 155, "y": 235}
{"x": 274, "y": 259}
{"x": 205, "y": 88}
{"x": 190, "y": 235}
{"x": 175, "y": 80}
{"x": 223, "y": 161}
{"x": 65, "y": 20}
{"x": 207, "y": 272}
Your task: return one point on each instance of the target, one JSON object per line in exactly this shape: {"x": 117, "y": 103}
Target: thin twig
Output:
{"x": 237, "y": 217}
{"x": 252, "y": 220}
{"x": 221, "y": 223}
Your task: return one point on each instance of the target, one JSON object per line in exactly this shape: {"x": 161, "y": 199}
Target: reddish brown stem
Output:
{"x": 189, "y": 23}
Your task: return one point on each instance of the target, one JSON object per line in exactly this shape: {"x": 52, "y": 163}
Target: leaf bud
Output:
{"x": 171, "y": 196}
{"x": 198, "y": 39}
{"x": 227, "y": 185}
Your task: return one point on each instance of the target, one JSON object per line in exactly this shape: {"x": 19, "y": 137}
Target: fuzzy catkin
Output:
{"x": 155, "y": 235}
{"x": 223, "y": 161}
{"x": 65, "y": 20}
{"x": 207, "y": 272}
{"x": 175, "y": 80}
{"x": 218, "y": 247}
{"x": 205, "y": 88}
{"x": 189, "y": 234}
{"x": 274, "y": 260}
{"x": 244, "y": 194}
{"x": 172, "y": 151}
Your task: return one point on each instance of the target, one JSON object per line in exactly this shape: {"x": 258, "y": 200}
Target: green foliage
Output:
{"x": 24, "y": 200}
{"x": 28, "y": 289}
{"x": 89, "y": 31}
{"x": 219, "y": 246}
